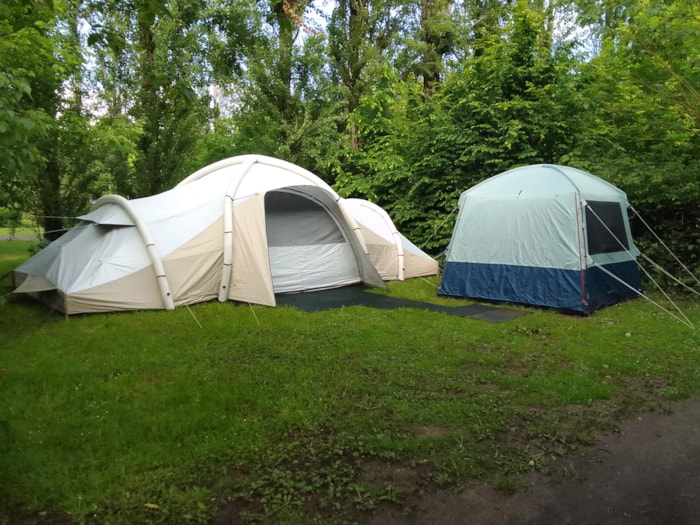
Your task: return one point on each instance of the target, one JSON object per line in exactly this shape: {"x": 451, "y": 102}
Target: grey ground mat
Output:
{"x": 358, "y": 296}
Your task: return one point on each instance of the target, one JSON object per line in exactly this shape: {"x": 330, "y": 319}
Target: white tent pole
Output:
{"x": 401, "y": 274}
{"x": 356, "y": 229}
{"x": 315, "y": 180}
{"x": 395, "y": 235}
{"x": 400, "y": 254}
{"x": 214, "y": 167}
{"x": 153, "y": 253}
{"x": 229, "y": 198}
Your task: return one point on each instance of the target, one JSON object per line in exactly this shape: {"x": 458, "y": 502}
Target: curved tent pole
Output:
{"x": 399, "y": 245}
{"x": 605, "y": 182}
{"x": 355, "y": 231}
{"x": 395, "y": 235}
{"x": 228, "y": 228}
{"x": 233, "y": 161}
{"x": 400, "y": 254}
{"x": 153, "y": 254}
{"x": 352, "y": 222}
{"x": 259, "y": 159}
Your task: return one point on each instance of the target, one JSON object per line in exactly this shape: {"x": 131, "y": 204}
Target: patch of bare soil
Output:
{"x": 647, "y": 473}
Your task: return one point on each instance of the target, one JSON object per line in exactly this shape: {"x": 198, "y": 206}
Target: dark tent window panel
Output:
{"x": 606, "y": 228}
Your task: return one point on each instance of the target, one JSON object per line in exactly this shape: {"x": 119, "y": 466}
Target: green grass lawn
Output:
{"x": 173, "y": 417}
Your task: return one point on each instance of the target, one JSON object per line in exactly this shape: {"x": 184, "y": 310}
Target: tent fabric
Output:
{"x": 395, "y": 257}
{"x": 543, "y": 235}
{"x": 240, "y": 229}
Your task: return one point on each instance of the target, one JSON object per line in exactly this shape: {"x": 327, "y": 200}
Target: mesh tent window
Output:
{"x": 605, "y": 228}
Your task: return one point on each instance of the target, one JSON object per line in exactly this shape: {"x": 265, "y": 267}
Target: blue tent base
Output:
{"x": 566, "y": 290}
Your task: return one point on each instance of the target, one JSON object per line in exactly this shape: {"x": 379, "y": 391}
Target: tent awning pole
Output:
{"x": 149, "y": 244}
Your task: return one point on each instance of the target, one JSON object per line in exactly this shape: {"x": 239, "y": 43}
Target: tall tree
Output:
{"x": 601, "y": 18}
{"x": 26, "y": 53}
{"x": 437, "y": 38}
{"x": 360, "y": 33}
{"x": 38, "y": 52}
{"x": 171, "y": 98}
{"x": 153, "y": 69}
{"x": 486, "y": 19}
{"x": 514, "y": 103}
{"x": 289, "y": 108}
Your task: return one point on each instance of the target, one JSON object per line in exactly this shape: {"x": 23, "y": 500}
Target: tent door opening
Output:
{"x": 307, "y": 248}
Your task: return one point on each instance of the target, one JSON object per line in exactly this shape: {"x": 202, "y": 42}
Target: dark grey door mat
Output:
{"x": 358, "y": 296}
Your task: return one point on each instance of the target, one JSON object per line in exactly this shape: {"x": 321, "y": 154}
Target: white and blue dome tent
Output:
{"x": 543, "y": 235}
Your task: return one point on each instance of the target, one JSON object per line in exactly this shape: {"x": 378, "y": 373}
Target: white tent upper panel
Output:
{"x": 541, "y": 180}
{"x": 238, "y": 177}
{"x": 179, "y": 214}
{"x": 247, "y": 175}
{"x": 373, "y": 217}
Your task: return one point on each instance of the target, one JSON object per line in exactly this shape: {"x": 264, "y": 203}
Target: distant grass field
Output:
{"x": 20, "y": 231}
{"x": 281, "y": 416}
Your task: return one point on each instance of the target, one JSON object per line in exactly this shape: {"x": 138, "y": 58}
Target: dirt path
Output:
{"x": 648, "y": 473}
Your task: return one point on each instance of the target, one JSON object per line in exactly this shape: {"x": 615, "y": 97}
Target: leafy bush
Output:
{"x": 10, "y": 218}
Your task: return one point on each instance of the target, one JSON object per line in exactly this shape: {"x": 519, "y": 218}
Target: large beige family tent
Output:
{"x": 241, "y": 229}
{"x": 395, "y": 257}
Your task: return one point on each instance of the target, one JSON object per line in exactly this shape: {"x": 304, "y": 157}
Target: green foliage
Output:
{"x": 514, "y": 104}
{"x": 212, "y": 146}
{"x": 642, "y": 132}
{"x": 10, "y": 218}
{"x": 171, "y": 114}
{"x": 294, "y": 116}
{"x": 26, "y": 62}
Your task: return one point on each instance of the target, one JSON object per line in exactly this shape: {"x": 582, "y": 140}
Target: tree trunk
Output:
{"x": 50, "y": 196}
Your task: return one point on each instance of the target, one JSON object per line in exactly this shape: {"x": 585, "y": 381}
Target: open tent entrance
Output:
{"x": 308, "y": 248}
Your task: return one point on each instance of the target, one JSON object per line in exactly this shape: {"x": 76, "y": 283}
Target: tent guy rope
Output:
{"x": 684, "y": 319}
{"x": 664, "y": 245}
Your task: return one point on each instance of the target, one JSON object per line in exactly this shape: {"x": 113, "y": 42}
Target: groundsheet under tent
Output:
{"x": 358, "y": 295}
